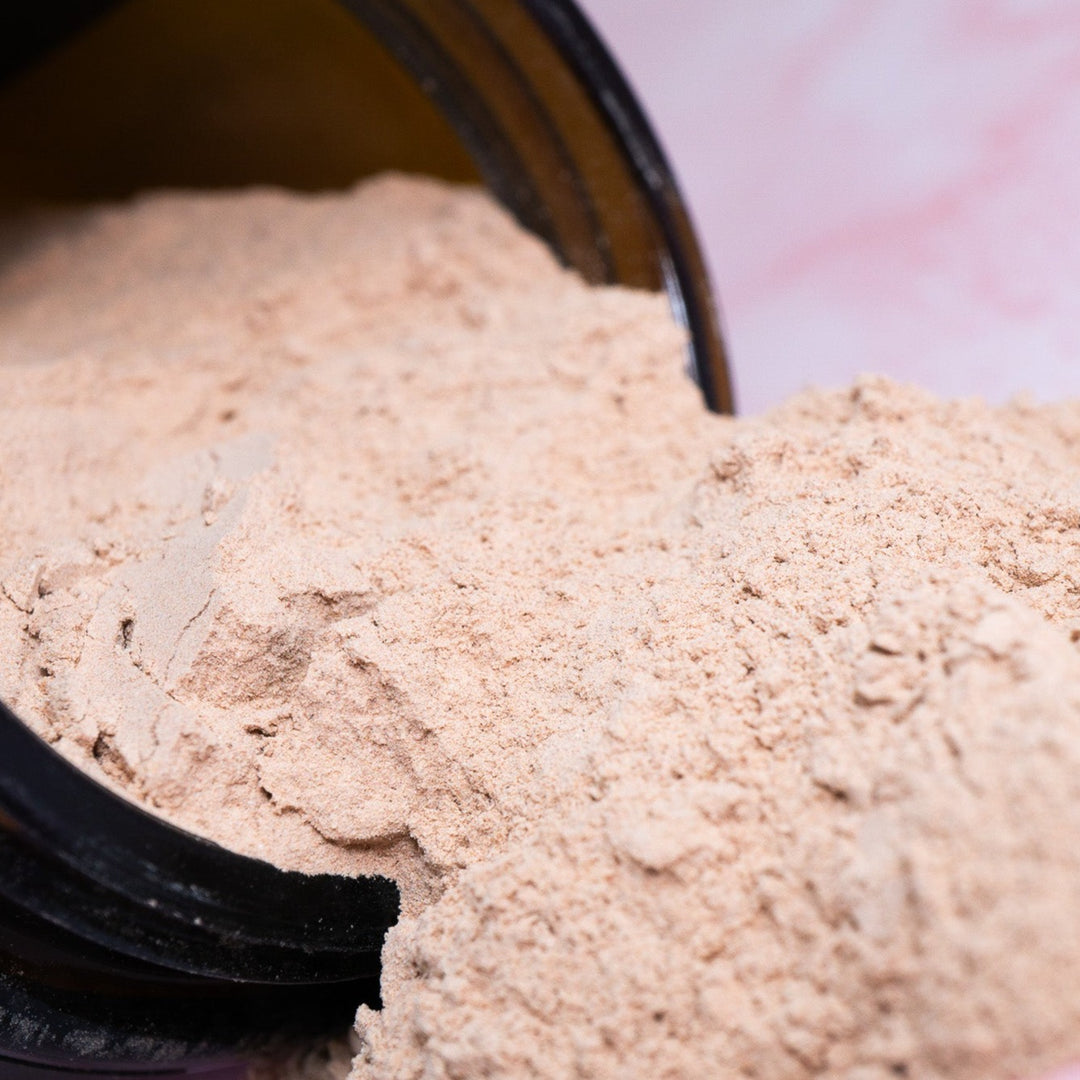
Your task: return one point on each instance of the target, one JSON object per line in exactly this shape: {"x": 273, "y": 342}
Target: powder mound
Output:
{"x": 701, "y": 748}
{"x": 894, "y": 898}
{"x": 300, "y": 589}
{"x": 829, "y": 819}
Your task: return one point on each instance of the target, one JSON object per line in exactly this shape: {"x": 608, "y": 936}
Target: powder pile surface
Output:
{"x": 352, "y": 532}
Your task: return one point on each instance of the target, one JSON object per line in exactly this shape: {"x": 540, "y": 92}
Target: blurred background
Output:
{"x": 880, "y": 186}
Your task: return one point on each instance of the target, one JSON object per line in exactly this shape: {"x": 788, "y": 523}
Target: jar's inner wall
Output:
{"x": 217, "y": 93}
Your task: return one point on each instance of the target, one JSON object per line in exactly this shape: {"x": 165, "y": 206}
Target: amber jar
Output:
{"x": 103, "y": 98}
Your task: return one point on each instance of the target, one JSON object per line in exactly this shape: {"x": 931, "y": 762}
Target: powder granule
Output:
{"x": 701, "y": 748}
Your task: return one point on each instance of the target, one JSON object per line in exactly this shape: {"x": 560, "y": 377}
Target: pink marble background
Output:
{"x": 880, "y": 185}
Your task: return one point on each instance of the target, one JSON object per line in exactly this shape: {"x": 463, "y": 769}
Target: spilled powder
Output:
{"x": 353, "y": 533}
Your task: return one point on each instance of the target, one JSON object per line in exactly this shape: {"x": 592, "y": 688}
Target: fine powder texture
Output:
{"x": 352, "y": 532}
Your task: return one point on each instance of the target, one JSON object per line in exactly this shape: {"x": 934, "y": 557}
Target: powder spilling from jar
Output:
{"x": 352, "y": 532}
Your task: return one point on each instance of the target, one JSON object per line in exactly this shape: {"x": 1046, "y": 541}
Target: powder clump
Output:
{"x": 351, "y": 531}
